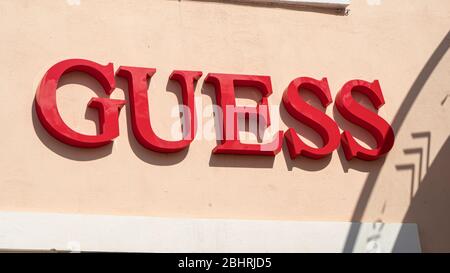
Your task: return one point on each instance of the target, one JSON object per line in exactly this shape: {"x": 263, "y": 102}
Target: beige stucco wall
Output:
{"x": 391, "y": 42}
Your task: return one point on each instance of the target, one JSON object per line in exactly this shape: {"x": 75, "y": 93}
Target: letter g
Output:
{"x": 108, "y": 109}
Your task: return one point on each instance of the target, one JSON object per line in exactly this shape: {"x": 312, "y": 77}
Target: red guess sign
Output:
{"x": 225, "y": 84}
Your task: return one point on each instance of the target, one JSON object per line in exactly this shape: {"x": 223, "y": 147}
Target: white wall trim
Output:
{"x": 75, "y": 232}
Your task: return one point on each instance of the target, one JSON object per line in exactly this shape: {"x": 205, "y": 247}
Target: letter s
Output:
{"x": 314, "y": 118}
{"x": 108, "y": 109}
{"x": 354, "y": 112}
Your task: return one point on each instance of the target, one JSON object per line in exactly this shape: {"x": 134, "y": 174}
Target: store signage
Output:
{"x": 138, "y": 78}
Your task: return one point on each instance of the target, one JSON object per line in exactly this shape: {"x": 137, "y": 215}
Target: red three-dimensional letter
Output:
{"x": 314, "y": 118}
{"x": 359, "y": 115}
{"x": 108, "y": 109}
{"x": 138, "y": 79}
{"x": 225, "y": 96}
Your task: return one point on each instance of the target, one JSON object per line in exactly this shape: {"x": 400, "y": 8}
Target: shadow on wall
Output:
{"x": 412, "y": 167}
{"x": 431, "y": 204}
{"x": 397, "y": 123}
{"x": 281, "y": 5}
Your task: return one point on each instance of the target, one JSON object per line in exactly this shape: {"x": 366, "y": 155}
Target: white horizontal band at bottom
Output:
{"x": 78, "y": 232}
